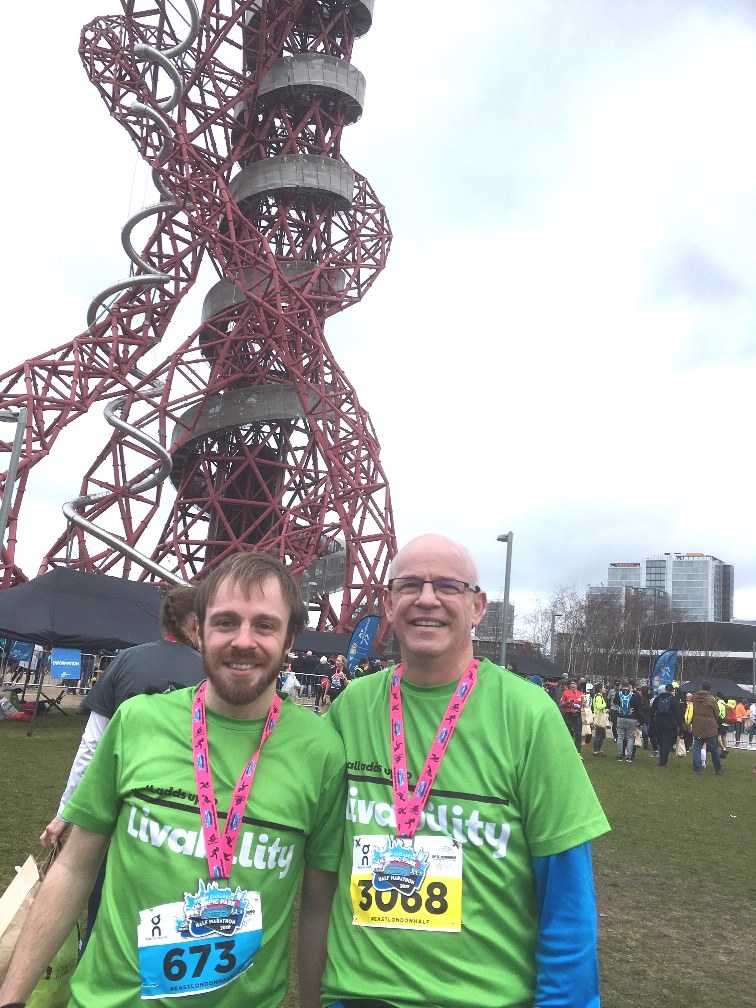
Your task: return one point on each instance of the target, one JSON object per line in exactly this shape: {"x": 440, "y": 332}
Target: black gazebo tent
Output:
{"x": 67, "y": 608}
{"x": 729, "y": 689}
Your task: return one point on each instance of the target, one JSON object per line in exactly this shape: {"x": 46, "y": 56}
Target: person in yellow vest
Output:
{"x": 600, "y": 719}
{"x": 687, "y": 731}
{"x": 723, "y": 729}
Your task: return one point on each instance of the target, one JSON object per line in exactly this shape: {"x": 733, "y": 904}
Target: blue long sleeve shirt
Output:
{"x": 566, "y": 951}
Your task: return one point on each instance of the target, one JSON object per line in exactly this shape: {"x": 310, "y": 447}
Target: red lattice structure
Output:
{"x": 239, "y": 108}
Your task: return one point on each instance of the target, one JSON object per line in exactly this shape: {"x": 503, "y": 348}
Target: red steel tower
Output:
{"x": 239, "y": 108}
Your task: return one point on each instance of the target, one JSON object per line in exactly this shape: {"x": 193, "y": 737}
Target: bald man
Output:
{"x": 465, "y": 877}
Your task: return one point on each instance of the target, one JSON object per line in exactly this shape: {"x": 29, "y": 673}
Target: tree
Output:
{"x": 597, "y": 632}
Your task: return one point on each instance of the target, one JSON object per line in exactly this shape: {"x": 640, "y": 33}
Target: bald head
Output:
{"x": 434, "y": 627}
{"x": 440, "y": 549}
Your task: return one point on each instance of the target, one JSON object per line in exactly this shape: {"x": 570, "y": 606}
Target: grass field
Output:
{"x": 674, "y": 878}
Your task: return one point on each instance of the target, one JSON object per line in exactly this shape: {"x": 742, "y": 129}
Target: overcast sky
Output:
{"x": 562, "y": 343}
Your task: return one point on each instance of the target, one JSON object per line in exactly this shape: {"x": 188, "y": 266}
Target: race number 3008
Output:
{"x": 435, "y": 906}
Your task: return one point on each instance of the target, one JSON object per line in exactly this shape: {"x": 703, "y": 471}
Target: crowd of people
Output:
{"x": 661, "y": 724}
{"x": 319, "y": 680}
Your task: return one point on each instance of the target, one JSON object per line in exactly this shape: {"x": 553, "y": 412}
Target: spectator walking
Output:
{"x": 666, "y": 721}
{"x": 292, "y": 685}
{"x": 339, "y": 679}
{"x": 723, "y": 727}
{"x": 687, "y": 731}
{"x": 325, "y": 671}
{"x": 752, "y": 725}
{"x": 571, "y": 706}
{"x": 586, "y": 713}
{"x": 705, "y": 728}
{"x": 307, "y": 673}
{"x": 613, "y": 707}
{"x": 644, "y": 696}
{"x": 600, "y": 719}
{"x": 628, "y": 717}
{"x": 741, "y": 713}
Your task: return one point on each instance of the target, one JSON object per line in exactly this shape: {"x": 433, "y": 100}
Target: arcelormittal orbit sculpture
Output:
{"x": 239, "y": 108}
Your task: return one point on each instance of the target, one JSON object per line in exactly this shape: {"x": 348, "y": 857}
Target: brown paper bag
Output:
{"x": 15, "y": 904}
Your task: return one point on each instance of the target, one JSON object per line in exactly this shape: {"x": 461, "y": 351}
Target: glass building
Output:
{"x": 626, "y": 575}
{"x": 489, "y": 627}
{"x": 699, "y": 587}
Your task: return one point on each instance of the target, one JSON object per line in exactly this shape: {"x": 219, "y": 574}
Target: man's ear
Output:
{"x": 479, "y": 607}
{"x": 388, "y": 605}
{"x": 194, "y": 632}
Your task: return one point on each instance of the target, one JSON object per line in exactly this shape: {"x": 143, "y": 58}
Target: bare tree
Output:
{"x": 704, "y": 648}
{"x": 599, "y": 633}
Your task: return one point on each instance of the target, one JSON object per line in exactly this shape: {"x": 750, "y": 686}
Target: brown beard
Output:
{"x": 238, "y": 693}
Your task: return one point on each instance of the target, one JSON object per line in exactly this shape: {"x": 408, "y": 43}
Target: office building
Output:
{"x": 699, "y": 587}
{"x": 489, "y": 628}
{"x": 625, "y": 575}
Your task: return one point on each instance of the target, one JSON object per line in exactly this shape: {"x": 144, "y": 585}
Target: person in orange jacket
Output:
{"x": 571, "y": 706}
{"x": 741, "y": 713}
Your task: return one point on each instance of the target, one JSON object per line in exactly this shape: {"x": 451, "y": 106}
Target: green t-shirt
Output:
{"x": 510, "y": 787}
{"x": 140, "y": 786}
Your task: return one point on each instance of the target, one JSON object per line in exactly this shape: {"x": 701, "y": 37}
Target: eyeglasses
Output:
{"x": 441, "y": 586}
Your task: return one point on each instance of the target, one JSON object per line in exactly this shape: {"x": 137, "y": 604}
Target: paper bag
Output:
{"x": 15, "y": 904}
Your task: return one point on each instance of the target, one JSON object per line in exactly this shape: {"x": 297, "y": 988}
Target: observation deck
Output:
{"x": 309, "y": 75}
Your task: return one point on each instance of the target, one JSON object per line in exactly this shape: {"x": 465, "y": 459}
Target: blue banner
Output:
{"x": 664, "y": 670}
{"x": 21, "y": 651}
{"x": 361, "y": 642}
{"x": 65, "y": 663}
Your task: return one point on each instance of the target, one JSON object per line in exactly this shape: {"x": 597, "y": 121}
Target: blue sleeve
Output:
{"x": 566, "y": 954}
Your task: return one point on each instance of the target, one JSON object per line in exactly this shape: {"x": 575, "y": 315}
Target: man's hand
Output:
{"x": 53, "y": 832}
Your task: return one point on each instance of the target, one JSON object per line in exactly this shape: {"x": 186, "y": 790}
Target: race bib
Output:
{"x": 409, "y": 884}
{"x": 199, "y": 945}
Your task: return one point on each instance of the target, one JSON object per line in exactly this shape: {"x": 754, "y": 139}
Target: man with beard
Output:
{"x": 213, "y": 817}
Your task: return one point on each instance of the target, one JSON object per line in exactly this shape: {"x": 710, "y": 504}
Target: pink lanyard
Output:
{"x": 219, "y": 861}
{"x": 408, "y": 816}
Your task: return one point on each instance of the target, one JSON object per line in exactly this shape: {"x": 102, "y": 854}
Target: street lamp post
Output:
{"x": 506, "y": 537}
{"x": 554, "y": 617}
{"x": 19, "y": 419}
